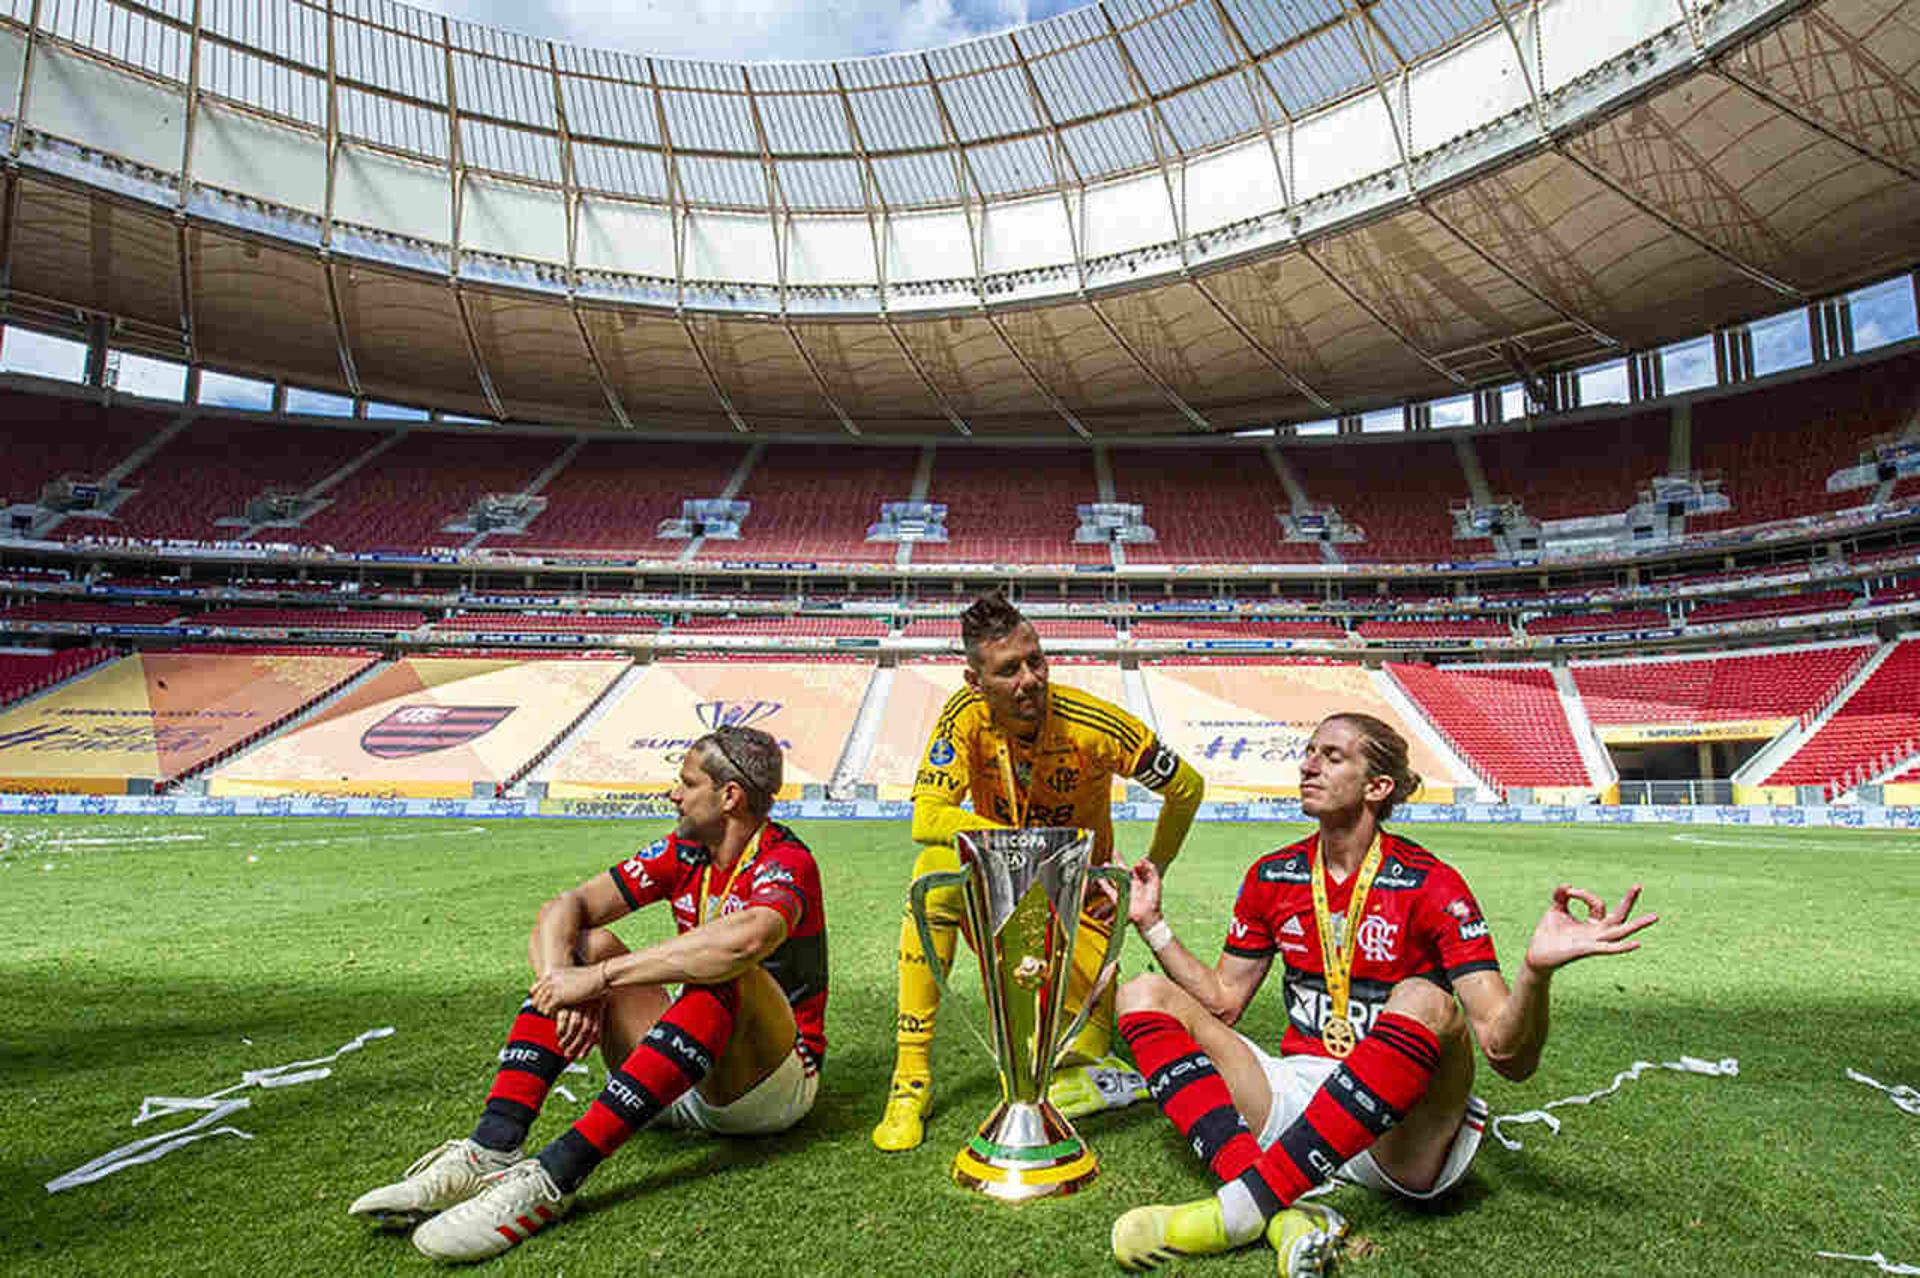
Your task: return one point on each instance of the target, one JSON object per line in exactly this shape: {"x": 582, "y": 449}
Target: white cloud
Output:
{"x": 754, "y": 30}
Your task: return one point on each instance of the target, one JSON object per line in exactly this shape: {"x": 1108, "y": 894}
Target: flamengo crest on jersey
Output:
{"x": 1420, "y": 920}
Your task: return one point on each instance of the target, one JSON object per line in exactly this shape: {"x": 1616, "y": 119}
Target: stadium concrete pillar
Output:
{"x": 96, "y": 365}
{"x": 1486, "y": 406}
{"x": 1645, "y": 379}
{"x": 1830, "y": 325}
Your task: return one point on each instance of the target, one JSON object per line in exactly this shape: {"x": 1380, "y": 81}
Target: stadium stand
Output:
{"x": 1897, "y": 593}
{"x": 1775, "y": 447}
{"x": 217, "y": 465}
{"x": 835, "y": 627}
{"x": 86, "y": 612}
{"x": 400, "y": 500}
{"x": 1045, "y": 627}
{"x": 1505, "y": 720}
{"x": 572, "y": 623}
{"x": 24, "y": 673}
{"x": 1871, "y": 731}
{"x": 1598, "y": 622}
{"x": 1770, "y": 606}
{"x": 1012, "y": 506}
{"x": 1784, "y": 683}
{"x": 1399, "y": 493}
{"x": 43, "y": 437}
{"x": 1260, "y": 629}
{"x": 1206, "y": 507}
{"x": 1464, "y": 629}
{"x": 815, "y": 502}
{"x": 614, "y": 493}
{"x": 313, "y": 618}
{"x": 1578, "y": 468}
{"x": 331, "y": 674}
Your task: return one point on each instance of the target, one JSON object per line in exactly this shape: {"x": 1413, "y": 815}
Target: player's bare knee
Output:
{"x": 1427, "y": 1003}
{"x": 596, "y": 945}
{"x": 1147, "y": 992}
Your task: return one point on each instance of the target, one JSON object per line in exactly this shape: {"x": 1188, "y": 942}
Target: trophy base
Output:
{"x": 1025, "y": 1150}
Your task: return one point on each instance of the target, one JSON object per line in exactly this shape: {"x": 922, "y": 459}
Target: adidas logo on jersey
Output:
{"x": 1292, "y": 927}
{"x": 683, "y": 904}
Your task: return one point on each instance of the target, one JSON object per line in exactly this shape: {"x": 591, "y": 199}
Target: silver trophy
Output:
{"x": 1023, "y": 891}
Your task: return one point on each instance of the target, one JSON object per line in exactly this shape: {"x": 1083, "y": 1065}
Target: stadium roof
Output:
{"x": 1145, "y": 216}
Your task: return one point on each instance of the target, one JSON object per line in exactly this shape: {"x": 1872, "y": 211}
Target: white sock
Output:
{"x": 1240, "y": 1214}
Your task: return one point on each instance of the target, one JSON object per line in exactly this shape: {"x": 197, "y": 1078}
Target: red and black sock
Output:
{"x": 671, "y": 1057}
{"x": 1372, "y": 1090}
{"x": 1184, "y": 1083}
{"x": 529, "y": 1063}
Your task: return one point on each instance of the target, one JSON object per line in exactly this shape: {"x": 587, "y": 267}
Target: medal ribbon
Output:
{"x": 1003, "y": 753}
{"x": 1337, "y": 959}
{"x": 746, "y": 859}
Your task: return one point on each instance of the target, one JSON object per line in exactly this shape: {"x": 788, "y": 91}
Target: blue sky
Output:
{"x": 756, "y": 30}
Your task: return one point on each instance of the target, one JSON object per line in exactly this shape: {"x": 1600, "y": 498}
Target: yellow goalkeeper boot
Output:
{"x": 1150, "y": 1236}
{"x": 1305, "y": 1238}
{"x": 904, "y": 1124}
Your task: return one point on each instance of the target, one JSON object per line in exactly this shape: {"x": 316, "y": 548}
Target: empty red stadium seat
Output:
{"x": 815, "y": 502}
{"x": 1878, "y": 724}
{"x": 1506, "y": 720}
{"x": 1566, "y": 470}
{"x": 1399, "y": 492}
{"x": 1767, "y": 685}
{"x": 1775, "y": 447}
{"x": 1206, "y": 507}
{"x": 1012, "y": 506}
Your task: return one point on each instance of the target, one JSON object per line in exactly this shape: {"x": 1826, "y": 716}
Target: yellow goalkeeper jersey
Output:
{"x": 1063, "y": 776}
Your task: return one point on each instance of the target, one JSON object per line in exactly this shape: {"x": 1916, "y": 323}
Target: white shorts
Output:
{"x": 1294, "y": 1080}
{"x": 776, "y": 1103}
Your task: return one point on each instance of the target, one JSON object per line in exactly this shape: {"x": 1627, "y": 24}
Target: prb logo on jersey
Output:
{"x": 422, "y": 729}
{"x": 734, "y": 714}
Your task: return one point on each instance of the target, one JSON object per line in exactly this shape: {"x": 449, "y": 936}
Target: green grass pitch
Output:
{"x": 149, "y": 957}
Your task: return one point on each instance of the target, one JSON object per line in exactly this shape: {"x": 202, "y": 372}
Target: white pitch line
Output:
{"x": 371, "y": 838}
{"x": 57, "y": 842}
{"x": 1809, "y": 844}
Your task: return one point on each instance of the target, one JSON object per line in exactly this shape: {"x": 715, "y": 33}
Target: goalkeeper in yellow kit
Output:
{"x": 1028, "y": 754}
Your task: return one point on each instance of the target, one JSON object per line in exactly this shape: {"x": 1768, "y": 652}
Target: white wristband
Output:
{"x": 1159, "y": 936}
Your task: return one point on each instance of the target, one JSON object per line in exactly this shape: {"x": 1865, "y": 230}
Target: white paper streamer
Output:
{"x": 1907, "y": 1098}
{"x": 1885, "y": 1266}
{"x": 149, "y": 1148}
{"x": 1727, "y": 1068}
{"x": 212, "y": 1108}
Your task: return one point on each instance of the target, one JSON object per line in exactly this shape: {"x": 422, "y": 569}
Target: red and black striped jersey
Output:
{"x": 783, "y": 877}
{"x": 1420, "y": 920}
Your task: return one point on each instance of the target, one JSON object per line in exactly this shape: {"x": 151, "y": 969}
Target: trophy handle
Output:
{"x": 1122, "y": 880}
{"x": 917, "y": 905}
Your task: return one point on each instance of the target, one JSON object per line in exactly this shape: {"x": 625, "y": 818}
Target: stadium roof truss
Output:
{"x": 1143, "y": 216}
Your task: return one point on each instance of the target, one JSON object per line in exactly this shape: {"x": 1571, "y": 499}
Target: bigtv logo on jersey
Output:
{"x": 422, "y": 729}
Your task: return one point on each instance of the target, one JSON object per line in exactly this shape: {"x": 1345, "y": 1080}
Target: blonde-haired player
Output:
{"x": 1028, "y": 753}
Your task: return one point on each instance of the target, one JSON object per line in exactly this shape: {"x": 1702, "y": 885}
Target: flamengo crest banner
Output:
{"x": 422, "y": 729}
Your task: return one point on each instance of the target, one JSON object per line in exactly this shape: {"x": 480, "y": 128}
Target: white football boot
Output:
{"x": 442, "y": 1177}
{"x": 511, "y": 1207}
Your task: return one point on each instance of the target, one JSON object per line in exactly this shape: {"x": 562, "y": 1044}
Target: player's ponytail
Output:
{"x": 1386, "y": 754}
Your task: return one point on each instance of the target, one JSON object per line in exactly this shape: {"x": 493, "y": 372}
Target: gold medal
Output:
{"x": 1339, "y": 936}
